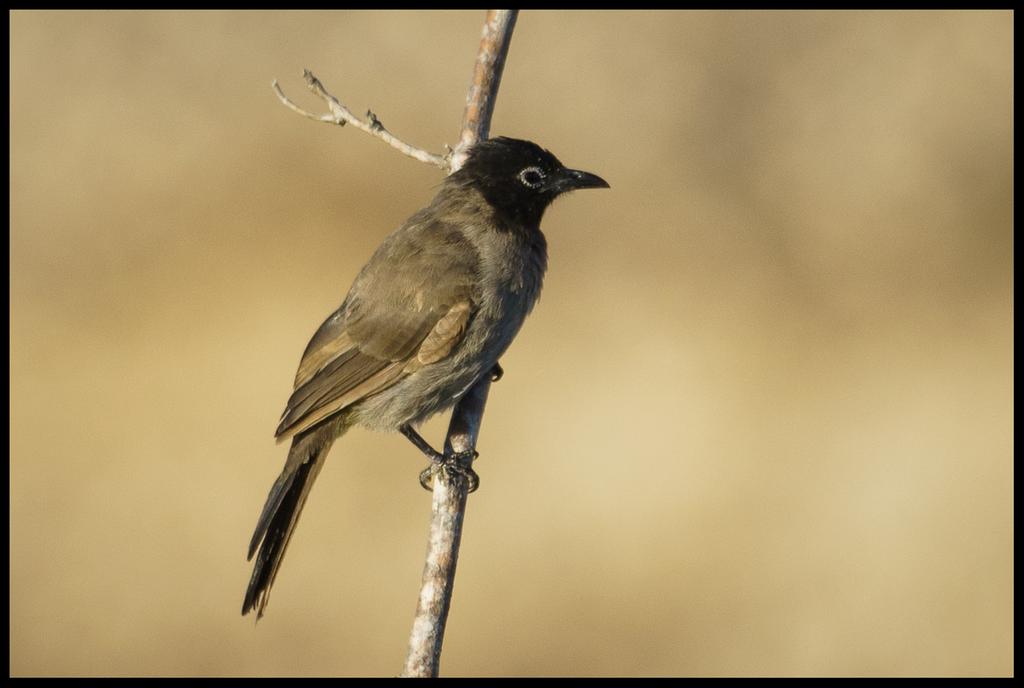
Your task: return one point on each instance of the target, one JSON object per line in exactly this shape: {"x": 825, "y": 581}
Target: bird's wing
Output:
{"x": 446, "y": 333}
{"x": 389, "y": 325}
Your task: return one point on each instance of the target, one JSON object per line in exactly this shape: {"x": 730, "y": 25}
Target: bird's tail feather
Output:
{"x": 281, "y": 514}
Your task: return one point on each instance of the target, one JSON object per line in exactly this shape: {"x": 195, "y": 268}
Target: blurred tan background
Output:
{"x": 759, "y": 424}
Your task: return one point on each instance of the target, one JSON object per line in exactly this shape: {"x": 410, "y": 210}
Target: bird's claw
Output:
{"x": 459, "y": 464}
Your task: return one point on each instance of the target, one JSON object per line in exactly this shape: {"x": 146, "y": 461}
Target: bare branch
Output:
{"x": 450, "y": 491}
{"x": 483, "y": 91}
{"x": 284, "y": 99}
{"x": 341, "y": 115}
{"x": 448, "y": 511}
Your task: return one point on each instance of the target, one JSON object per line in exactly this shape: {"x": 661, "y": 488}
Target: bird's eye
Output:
{"x": 532, "y": 177}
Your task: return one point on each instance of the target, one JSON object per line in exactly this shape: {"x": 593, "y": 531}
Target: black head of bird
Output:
{"x": 520, "y": 179}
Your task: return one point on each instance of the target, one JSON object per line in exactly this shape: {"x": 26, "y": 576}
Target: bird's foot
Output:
{"x": 457, "y": 465}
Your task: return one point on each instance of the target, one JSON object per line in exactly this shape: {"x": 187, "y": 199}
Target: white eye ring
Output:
{"x": 535, "y": 171}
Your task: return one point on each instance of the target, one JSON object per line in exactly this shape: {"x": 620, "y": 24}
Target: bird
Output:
{"x": 430, "y": 313}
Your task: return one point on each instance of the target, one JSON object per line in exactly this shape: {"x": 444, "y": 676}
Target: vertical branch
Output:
{"x": 483, "y": 91}
{"x": 446, "y": 515}
{"x": 450, "y": 490}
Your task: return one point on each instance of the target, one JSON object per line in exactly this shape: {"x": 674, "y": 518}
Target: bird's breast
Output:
{"x": 512, "y": 273}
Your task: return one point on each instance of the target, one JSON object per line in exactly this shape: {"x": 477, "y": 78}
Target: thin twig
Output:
{"x": 448, "y": 510}
{"x": 483, "y": 90}
{"x": 341, "y": 115}
{"x": 450, "y": 491}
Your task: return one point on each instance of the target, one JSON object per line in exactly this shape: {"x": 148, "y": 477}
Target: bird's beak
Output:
{"x": 578, "y": 179}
